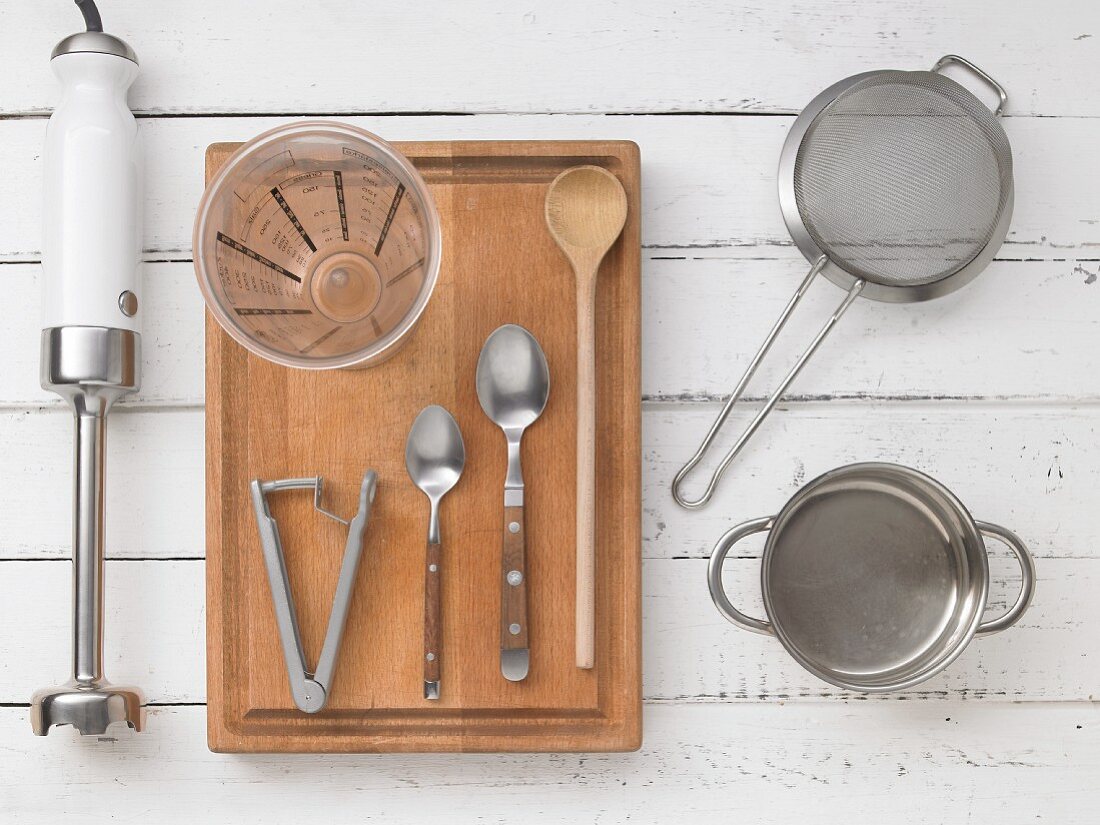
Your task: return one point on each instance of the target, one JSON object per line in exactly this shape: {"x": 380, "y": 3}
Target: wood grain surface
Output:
{"x": 564, "y": 56}
{"x": 265, "y": 421}
{"x": 709, "y": 187}
{"x": 433, "y": 612}
{"x": 1010, "y": 763}
{"x": 513, "y": 599}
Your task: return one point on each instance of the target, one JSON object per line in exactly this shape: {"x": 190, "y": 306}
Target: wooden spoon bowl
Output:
{"x": 586, "y": 210}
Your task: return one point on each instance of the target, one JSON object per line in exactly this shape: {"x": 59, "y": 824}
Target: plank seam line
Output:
{"x": 657, "y": 403}
{"x": 31, "y": 259}
{"x": 703, "y": 555}
{"x": 778, "y": 112}
{"x": 974, "y": 699}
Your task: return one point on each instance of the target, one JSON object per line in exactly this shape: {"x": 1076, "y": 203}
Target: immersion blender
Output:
{"x": 91, "y": 342}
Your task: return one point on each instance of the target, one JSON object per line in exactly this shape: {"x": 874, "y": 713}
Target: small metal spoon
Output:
{"x": 513, "y": 383}
{"x": 434, "y": 457}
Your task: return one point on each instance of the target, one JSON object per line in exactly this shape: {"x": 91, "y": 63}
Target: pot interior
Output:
{"x": 874, "y": 577}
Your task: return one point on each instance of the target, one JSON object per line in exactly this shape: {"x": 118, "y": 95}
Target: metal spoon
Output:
{"x": 434, "y": 457}
{"x": 513, "y": 382}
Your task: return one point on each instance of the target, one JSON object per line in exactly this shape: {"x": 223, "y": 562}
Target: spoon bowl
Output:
{"x": 586, "y": 209}
{"x": 513, "y": 379}
{"x": 435, "y": 454}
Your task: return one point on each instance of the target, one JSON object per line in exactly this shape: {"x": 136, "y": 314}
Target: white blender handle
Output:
{"x": 91, "y": 254}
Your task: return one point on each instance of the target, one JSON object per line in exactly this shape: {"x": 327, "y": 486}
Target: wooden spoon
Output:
{"x": 586, "y": 211}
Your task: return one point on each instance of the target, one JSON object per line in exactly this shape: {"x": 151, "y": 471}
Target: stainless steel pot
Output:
{"x": 874, "y": 577}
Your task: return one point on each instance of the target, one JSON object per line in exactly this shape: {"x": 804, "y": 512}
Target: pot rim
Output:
{"x": 968, "y": 533}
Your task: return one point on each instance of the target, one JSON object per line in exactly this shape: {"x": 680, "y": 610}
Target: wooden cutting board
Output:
{"x": 265, "y": 421}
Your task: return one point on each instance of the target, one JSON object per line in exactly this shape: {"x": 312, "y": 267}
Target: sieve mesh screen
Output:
{"x": 902, "y": 179}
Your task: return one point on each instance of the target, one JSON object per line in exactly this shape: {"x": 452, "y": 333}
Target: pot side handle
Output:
{"x": 1027, "y": 576}
{"x": 714, "y": 575}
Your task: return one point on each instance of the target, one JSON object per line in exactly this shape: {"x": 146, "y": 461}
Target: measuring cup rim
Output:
{"x": 384, "y": 347}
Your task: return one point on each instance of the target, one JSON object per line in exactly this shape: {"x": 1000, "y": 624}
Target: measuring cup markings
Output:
{"x": 256, "y": 256}
{"x": 406, "y": 271}
{"x": 389, "y": 219}
{"x": 308, "y": 349}
{"x": 297, "y": 224}
{"x": 310, "y": 223}
{"x": 287, "y": 239}
{"x": 338, "y": 180}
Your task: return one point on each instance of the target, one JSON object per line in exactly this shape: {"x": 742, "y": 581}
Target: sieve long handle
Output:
{"x": 853, "y": 293}
{"x": 982, "y": 75}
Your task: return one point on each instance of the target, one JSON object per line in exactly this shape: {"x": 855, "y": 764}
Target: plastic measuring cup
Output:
{"x": 317, "y": 245}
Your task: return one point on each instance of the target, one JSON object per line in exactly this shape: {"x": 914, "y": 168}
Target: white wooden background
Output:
{"x": 994, "y": 390}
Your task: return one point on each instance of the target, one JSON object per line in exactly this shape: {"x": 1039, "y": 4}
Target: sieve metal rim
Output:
{"x": 835, "y": 273}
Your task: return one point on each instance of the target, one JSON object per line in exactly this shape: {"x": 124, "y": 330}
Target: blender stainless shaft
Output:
{"x": 90, "y": 367}
{"x": 91, "y": 260}
{"x": 88, "y": 476}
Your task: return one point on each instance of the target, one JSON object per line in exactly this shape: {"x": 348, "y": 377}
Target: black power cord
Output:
{"x": 92, "y": 20}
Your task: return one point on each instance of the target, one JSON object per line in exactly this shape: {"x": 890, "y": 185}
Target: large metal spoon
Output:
{"x": 513, "y": 382}
{"x": 434, "y": 457}
{"x": 585, "y": 212}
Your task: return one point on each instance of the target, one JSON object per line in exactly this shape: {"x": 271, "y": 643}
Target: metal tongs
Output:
{"x": 310, "y": 688}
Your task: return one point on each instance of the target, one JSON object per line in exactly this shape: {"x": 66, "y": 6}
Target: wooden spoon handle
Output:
{"x": 586, "y": 468}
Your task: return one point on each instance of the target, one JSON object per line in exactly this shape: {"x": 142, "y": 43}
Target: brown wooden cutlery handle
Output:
{"x": 513, "y": 602}
{"x": 433, "y": 619}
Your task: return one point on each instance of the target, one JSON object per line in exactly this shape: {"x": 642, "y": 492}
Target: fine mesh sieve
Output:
{"x": 897, "y": 186}
{"x": 903, "y": 178}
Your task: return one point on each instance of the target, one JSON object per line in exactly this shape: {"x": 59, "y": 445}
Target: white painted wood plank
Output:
{"x": 1024, "y": 330}
{"x": 155, "y": 478}
{"x": 1029, "y": 467}
{"x": 172, "y": 339}
{"x": 692, "y": 654}
{"x": 155, "y": 636}
{"x": 902, "y": 763}
{"x": 706, "y": 180}
{"x": 568, "y": 55}
{"x": 154, "y": 627}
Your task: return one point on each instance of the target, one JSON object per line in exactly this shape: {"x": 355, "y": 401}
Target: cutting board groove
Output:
{"x": 265, "y": 421}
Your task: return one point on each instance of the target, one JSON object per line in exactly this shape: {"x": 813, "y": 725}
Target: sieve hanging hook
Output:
{"x": 1002, "y": 95}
